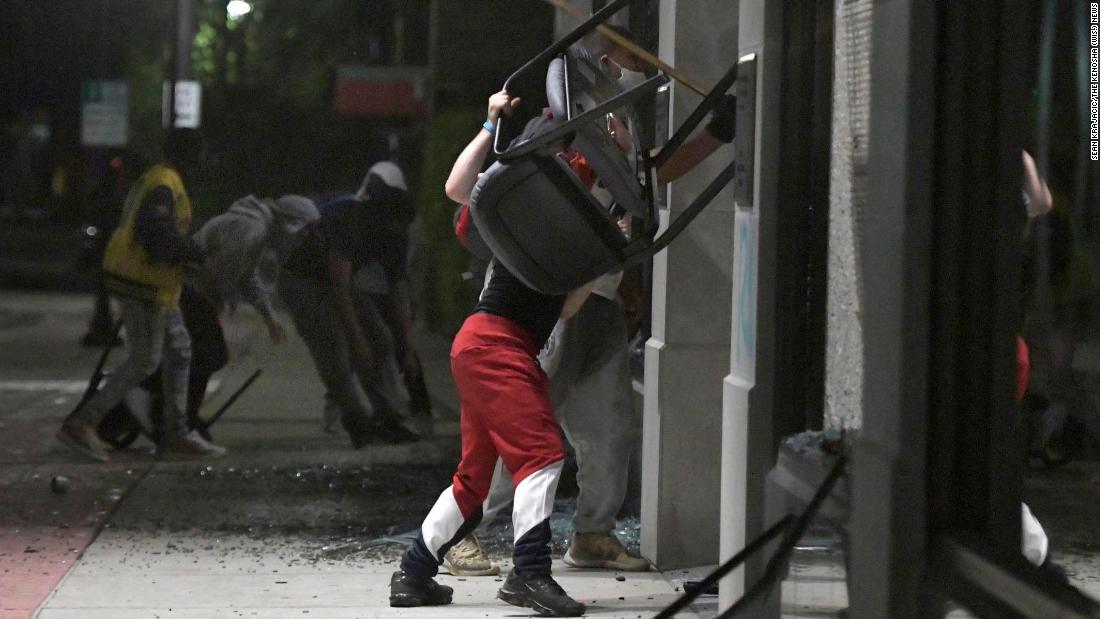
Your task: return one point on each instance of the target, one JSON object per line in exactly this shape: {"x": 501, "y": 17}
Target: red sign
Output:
{"x": 383, "y": 91}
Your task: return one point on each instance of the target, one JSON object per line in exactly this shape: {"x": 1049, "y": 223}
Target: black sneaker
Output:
{"x": 1055, "y": 570}
{"x": 541, "y": 593}
{"x": 358, "y": 429}
{"x": 390, "y": 430}
{"x": 407, "y": 591}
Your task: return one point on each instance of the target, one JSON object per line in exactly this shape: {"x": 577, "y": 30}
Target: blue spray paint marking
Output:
{"x": 746, "y": 295}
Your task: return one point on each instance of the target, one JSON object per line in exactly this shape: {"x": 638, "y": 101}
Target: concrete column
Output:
{"x": 847, "y": 197}
{"x": 889, "y": 508}
{"x": 746, "y": 402}
{"x": 687, "y": 355}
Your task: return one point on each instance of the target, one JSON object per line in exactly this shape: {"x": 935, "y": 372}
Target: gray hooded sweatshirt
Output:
{"x": 246, "y": 246}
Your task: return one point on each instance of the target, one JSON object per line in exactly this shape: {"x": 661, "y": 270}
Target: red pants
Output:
{"x": 506, "y": 409}
{"x": 506, "y": 413}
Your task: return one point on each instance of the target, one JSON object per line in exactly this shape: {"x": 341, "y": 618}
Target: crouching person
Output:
{"x": 244, "y": 249}
{"x": 143, "y": 267}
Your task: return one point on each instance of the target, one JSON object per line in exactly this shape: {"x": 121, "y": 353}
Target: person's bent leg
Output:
{"x": 455, "y": 514}
{"x": 382, "y": 390}
{"x": 144, "y": 322}
{"x": 601, "y": 424}
{"x": 179, "y": 441}
{"x": 420, "y": 405}
{"x": 500, "y": 496}
{"x": 380, "y": 383}
{"x": 175, "y": 372}
{"x": 528, "y": 439}
{"x": 313, "y": 312}
{"x": 457, "y": 511}
{"x": 209, "y": 351}
{"x": 530, "y": 583}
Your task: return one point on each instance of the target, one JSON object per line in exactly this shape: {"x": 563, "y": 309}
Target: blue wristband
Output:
{"x": 488, "y": 126}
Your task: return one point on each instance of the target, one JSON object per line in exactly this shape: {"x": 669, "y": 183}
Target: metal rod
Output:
{"x": 633, "y": 48}
{"x": 705, "y": 106}
{"x": 727, "y": 567}
{"x": 981, "y": 576}
{"x": 696, "y": 207}
{"x": 97, "y": 373}
{"x": 233, "y": 398}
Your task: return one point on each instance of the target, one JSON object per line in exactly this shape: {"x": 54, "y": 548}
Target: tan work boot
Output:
{"x": 602, "y": 551}
{"x": 82, "y": 438}
{"x": 466, "y": 558}
{"x": 188, "y": 446}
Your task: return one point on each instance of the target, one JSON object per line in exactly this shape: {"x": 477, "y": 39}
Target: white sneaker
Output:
{"x": 188, "y": 446}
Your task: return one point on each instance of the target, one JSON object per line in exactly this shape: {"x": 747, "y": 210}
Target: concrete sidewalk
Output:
{"x": 283, "y": 526}
{"x": 103, "y": 586}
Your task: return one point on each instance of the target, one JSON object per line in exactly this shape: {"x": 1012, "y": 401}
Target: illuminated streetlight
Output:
{"x": 238, "y": 9}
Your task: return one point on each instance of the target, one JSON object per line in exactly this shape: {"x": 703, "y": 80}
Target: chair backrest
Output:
{"x": 544, "y": 225}
{"x": 575, "y": 84}
{"x": 535, "y": 214}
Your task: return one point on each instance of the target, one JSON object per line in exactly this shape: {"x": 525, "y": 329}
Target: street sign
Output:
{"x": 188, "y": 103}
{"x": 104, "y": 113}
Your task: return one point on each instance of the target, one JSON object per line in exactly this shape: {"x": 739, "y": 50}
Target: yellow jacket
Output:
{"x": 127, "y": 268}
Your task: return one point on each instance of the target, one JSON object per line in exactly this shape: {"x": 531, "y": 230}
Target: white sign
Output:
{"x": 188, "y": 104}
{"x": 104, "y": 113}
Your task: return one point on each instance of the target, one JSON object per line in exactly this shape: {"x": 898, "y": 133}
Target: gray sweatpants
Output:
{"x": 587, "y": 359}
{"x": 155, "y": 336}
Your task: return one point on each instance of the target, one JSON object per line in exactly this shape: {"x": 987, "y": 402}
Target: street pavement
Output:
{"x": 293, "y": 522}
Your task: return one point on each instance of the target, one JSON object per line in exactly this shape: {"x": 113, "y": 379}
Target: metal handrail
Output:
{"x": 773, "y": 570}
{"x": 978, "y": 576}
{"x": 793, "y": 529}
{"x": 755, "y": 545}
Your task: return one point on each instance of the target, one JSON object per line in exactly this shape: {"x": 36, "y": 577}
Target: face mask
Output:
{"x": 630, "y": 79}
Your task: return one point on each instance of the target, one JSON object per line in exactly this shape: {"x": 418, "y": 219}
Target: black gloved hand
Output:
{"x": 193, "y": 253}
{"x": 723, "y": 120}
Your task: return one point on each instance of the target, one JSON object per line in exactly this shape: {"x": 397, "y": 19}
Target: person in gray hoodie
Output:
{"x": 245, "y": 248}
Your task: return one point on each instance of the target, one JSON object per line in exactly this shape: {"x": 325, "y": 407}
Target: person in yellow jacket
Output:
{"x": 143, "y": 267}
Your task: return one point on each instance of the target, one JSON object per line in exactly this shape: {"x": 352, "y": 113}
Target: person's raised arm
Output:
{"x": 464, "y": 173}
{"x": 258, "y": 295}
{"x": 399, "y": 309}
{"x": 1037, "y": 192}
{"x": 340, "y": 270}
